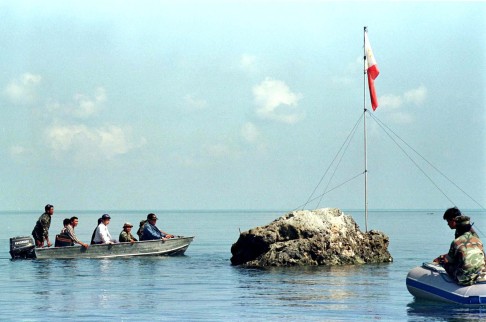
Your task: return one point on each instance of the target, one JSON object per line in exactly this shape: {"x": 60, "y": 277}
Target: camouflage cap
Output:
{"x": 462, "y": 220}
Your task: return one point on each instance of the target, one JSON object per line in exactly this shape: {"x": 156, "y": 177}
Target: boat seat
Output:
{"x": 63, "y": 241}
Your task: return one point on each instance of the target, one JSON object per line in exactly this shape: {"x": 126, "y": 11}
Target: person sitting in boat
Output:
{"x": 465, "y": 259}
{"x": 61, "y": 239}
{"x": 151, "y": 232}
{"x": 70, "y": 235}
{"x": 126, "y": 234}
{"x": 41, "y": 229}
{"x": 65, "y": 222}
{"x": 94, "y": 231}
{"x": 102, "y": 235}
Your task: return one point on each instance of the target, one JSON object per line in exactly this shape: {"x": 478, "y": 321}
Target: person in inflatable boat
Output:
{"x": 465, "y": 259}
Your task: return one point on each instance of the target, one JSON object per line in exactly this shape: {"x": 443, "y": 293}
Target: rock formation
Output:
{"x": 319, "y": 237}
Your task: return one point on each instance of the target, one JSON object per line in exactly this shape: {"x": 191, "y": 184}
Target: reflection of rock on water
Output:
{"x": 320, "y": 237}
{"x": 344, "y": 288}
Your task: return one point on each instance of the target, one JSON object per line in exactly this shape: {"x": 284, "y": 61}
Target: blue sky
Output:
{"x": 237, "y": 104}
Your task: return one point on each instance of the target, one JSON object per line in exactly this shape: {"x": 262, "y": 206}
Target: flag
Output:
{"x": 372, "y": 71}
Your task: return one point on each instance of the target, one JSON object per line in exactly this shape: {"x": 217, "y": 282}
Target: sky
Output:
{"x": 239, "y": 104}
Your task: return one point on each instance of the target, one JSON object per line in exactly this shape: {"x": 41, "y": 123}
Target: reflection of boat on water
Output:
{"x": 24, "y": 247}
{"x": 422, "y": 310}
{"x": 431, "y": 282}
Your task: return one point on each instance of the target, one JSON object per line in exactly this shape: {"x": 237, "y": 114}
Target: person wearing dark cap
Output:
{"x": 151, "y": 232}
{"x": 465, "y": 259}
{"x": 102, "y": 235}
{"x": 126, "y": 234}
{"x": 41, "y": 229}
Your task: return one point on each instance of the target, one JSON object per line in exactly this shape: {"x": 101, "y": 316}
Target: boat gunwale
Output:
{"x": 422, "y": 285}
{"x": 46, "y": 252}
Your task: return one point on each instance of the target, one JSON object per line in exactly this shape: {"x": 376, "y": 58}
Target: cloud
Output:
{"x": 194, "y": 103}
{"x": 391, "y": 101}
{"x": 415, "y": 96}
{"x": 250, "y": 132}
{"x": 90, "y": 143}
{"x": 248, "y": 63}
{"x": 87, "y": 106}
{"x": 347, "y": 76}
{"x": 17, "y": 150}
{"x": 82, "y": 106}
{"x": 275, "y": 101}
{"x": 24, "y": 89}
{"x": 393, "y": 104}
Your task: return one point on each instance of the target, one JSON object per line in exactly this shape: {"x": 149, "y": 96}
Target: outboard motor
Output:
{"x": 22, "y": 247}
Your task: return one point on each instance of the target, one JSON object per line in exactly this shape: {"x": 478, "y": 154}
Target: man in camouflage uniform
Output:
{"x": 41, "y": 229}
{"x": 465, "y": 259}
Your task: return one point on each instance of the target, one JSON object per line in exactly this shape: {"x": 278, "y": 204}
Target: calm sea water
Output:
{"x": 203, "y": 286}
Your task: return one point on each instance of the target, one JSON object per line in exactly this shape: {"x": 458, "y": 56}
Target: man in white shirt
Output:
{"x": 102, "y": 235}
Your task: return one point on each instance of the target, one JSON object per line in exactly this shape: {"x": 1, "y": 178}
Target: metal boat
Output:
{"x": 24, "y": 247}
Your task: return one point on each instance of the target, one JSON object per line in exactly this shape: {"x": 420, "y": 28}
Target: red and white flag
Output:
{"x": 372, "y": 71}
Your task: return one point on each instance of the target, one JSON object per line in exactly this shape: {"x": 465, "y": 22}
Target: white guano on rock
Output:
{"x": 310, "y": 237}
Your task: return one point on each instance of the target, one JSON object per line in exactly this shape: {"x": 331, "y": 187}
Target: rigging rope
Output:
{"x": 395, "y": 138}
{"x": 383, "y": 125}
{"x": 326, "y": 192}
{"x": 345, "y": 143}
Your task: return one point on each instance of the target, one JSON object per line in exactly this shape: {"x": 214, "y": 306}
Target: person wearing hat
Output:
{"x": 102, "y": 235}
{"x": 41, "y": 229}
{"x": 126, "y": 234}
{"x": 465, "y": 259}
{"x": 151, "y": 232}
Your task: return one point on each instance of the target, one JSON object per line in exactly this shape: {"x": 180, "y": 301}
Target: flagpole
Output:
{"x": 364, "y": 126}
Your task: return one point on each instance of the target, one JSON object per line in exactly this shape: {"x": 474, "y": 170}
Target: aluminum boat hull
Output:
{"x": 169, "y": 247}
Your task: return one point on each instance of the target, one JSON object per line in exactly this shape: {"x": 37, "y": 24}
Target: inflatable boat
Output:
{"x": 430, "y": 281}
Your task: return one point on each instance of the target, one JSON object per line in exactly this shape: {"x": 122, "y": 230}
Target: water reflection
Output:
{"x": 339, "y": 288}
{"x": 418, "y": 310}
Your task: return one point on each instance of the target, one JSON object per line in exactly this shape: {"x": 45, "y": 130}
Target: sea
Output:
{"x": 202, "y": 285}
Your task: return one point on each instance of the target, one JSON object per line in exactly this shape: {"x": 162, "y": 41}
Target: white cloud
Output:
{"x": 248, "y": 63}
{"x": 71, "y": 137}
{"x": 348, "y": 75}
{"x": 390, "y": 101}
{"x": 24, "y": 89}
{"x": 86, "y": 106}
{"x": 401, "y": 117}
{"x": 275, "y": 101}
{"x": 250, "y": 132}
{"x": 83, "y": 106}
{"x": 195, "y": 103}
{"x": 220, "y": 151}
{"x": 90, "y": 143}
{"x": 415, "y": 96}
{"x": 393, "y": 104}
{"x": 17, "y": 150}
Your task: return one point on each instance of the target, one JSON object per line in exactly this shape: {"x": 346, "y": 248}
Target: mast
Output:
{"x": 364, "y": 127}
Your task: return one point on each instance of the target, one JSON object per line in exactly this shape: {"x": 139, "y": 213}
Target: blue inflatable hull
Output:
{"x": 431, "y": 282}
